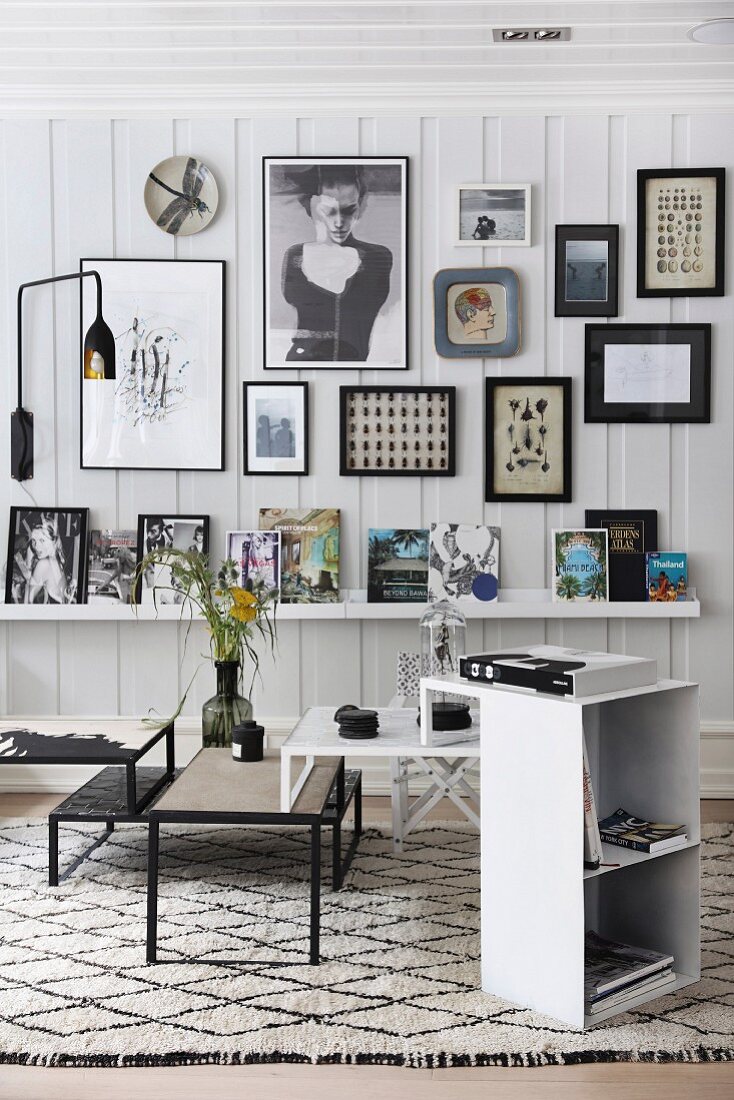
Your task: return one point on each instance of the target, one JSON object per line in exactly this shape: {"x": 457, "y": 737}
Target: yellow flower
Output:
{"x": 243, "y": 598}
{"x": 243, "y": 614}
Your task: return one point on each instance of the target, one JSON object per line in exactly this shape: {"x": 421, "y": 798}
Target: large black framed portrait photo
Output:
{"x": 47, "y": 556}
{"x": 335, "y": 233}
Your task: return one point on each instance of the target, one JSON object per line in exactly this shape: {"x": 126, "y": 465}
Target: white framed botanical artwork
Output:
{"x": 493, "y": 214}
{"x": 164, "y": 409}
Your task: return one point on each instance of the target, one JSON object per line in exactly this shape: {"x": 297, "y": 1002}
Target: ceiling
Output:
{"x": 200, "y": 56}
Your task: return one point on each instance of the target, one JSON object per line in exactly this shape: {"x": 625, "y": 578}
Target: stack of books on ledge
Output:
{"x": 616, "y": 972}
{"x": 627, "y": 831}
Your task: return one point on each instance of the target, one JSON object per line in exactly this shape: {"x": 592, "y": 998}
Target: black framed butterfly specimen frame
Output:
{"x": 408, "y": 431}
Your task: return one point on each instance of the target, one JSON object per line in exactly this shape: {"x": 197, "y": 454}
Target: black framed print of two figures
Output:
{"x": 587, "y": 270}
{"x": 275, "y": 427}
{"x": 335, "y": 233}
{"x": 681, "y": 228}
{"x": 528, "y": 439}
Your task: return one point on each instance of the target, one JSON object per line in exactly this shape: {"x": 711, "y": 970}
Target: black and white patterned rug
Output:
{"x": 399, "y": 984}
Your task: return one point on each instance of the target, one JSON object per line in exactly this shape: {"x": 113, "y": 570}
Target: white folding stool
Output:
{"x": 447, "y": 774}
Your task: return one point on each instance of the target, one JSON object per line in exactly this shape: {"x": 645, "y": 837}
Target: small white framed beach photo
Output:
{"x": 493, "y": 214}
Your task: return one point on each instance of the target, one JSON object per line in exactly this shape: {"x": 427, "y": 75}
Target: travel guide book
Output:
{"x": 309, "y": 552}
{"x": 397, "y": 565}
{"x": 628, "y": 831}
{"x": 667, "y": 577}
{"x": 112, "y": 560}
{"x": 580, "y": 565}
{"x": 632, "y": 533}
{"x": 464, "y": 562}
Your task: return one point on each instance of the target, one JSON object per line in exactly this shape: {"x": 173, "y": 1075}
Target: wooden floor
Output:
{"x": 293, "y": 1082}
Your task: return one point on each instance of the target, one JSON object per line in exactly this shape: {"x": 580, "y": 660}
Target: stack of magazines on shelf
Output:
{"x": 627, "y": 831}
{"x": 616, "y": 972}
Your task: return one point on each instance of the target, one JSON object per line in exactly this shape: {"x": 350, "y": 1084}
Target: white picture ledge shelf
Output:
{"x": 514, "y": 603}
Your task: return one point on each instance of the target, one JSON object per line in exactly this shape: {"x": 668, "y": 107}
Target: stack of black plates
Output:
{"x": 356, "y": 724}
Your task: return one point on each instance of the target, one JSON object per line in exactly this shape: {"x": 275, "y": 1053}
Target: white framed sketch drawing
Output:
{"x": 164, "y": 410}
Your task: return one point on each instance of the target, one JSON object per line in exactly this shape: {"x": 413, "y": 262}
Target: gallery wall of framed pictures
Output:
{"x": 341, "y": 292}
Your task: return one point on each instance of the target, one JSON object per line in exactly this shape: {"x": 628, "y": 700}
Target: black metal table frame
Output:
{"x": 135, "y": 808}
{"x": 218, "y": 817}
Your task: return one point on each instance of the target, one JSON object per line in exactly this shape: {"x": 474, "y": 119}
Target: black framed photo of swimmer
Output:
{"x": 159, "y": 584}
{"x": 47, "y": 556}
{"x": 275, "y": 427}
{"x": 476, "y": 312}
{"x": 164, "y": 409}
{"x": 493, "y": 214}
{"x": 680, "y": 232}
{"x": 587, "y": 270}
{"x": 528, "y": 439}
{"x": 335, "y": 249}
{"x": 406, "y": 432}
{"x": 647, "y": 373}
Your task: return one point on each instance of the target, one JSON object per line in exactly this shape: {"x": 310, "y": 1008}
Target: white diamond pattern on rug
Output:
{"x": 399, "y": 981}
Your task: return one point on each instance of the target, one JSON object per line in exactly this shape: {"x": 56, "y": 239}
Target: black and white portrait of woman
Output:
{"x": 46, "y": 556}
{"x": 335, "y": 262}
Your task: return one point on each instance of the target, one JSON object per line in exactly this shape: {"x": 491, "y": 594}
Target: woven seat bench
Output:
{"x": 216, "y": 790}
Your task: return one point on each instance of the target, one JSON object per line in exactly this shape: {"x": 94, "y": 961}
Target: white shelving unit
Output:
{"x": 514, "y": 603}
{"x": 536, "y": 899}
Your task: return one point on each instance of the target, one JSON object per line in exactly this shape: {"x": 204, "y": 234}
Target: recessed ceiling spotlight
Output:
{"x": 716, "y": 32}
{"x": 531, "y": 34}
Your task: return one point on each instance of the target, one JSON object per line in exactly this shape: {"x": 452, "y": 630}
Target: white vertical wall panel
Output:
{"x": 82, "y": 194}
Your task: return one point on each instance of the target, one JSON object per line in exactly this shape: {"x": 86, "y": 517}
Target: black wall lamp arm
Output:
{"x": 21, "y": 420}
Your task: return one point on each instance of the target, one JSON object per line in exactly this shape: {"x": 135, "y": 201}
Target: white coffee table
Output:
{"x": 445, "y": 763}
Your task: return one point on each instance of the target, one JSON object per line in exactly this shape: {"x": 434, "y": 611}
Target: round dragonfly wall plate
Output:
{"x": 181, "y": 195}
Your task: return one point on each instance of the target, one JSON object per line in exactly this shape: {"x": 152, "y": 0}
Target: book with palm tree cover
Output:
{"x": 397, "y": 569}
{"x": 580, "y": 565}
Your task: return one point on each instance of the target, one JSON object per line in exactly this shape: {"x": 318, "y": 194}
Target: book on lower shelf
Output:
{"x": 615, "y": 972}
{"x": 627, "y": 831}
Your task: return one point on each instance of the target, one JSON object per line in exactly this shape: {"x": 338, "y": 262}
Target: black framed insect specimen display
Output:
{"x": 680, "y": 232}
{"x": 528, "y": 439}
{"x": 408, "y": 432}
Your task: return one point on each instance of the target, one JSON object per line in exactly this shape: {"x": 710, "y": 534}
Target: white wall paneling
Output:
{"x": 71, "y": 187}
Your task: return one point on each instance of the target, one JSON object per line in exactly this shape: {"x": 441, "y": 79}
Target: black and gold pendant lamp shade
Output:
{"x": 99, "y": 350}
{"x": 98, "y": 365}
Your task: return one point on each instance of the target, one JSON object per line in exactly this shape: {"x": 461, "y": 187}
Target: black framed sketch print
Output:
{"x": 164, "y": 410}
{"x": 648, "y": 373}
{"x": 335, "y": 232}
{"x": 386, "y": 430}
{"x": 275, "y": 427}
{"x": 680, "y": 232}
{"x": 528, "y": 439}
{"x": 47, "y": 556}
{"x": 587, "y": 270}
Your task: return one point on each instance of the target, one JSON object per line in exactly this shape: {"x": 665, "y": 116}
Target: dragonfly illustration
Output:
{"x": 186, "y": 202}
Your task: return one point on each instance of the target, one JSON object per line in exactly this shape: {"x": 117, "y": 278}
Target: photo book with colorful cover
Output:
{"x": 464, "y": 562}
{"x": 667, "y": 576}
{"x": 309, "y": 552}
{"x": 580, "y": 565}
{"x": 112, "y": 560}
{"x": 632, "y": 533}
{"x": 397, "y": 565}
{"x": 627, "y": 831}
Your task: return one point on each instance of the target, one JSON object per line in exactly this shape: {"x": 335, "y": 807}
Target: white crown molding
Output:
{"x": 453, "y": 98}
